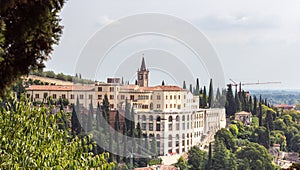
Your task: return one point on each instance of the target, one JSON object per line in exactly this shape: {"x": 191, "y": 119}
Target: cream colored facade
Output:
{"x": 168, "y": 113}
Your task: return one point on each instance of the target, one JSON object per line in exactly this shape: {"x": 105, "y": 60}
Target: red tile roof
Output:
{"x": 60, "y": 88}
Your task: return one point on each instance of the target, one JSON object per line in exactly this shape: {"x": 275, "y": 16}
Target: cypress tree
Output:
{"x": 124, "y": 142}
{"x": 98, "y": 117}
{"x": 191, "y": 88}
{"x": 211, "y": 94}
{"x": 184, "y": 85}
{"x": 110, "y": 146}
{"x": 237, "y": 102}
{"x": 127, "y": 115}
{"x": 218, "y": 98}
{"x": 197, "y": 87}
{"x": 230, "y": 104}
{"x": 77, "y": 109}
{"x": 132, "y": 125}
{"x": 204, "y": 98}
{"x": 163, "y": 83}
{"x": 254, "y": 109}
{"x": 117, "y": 129}
{"x": 75, "y": 124}
{"x": 90, "y": 118}
{"x": 209, "y": 162}
{"x": 260, "y": 112}
{"x": 250, "y": 104}
{"x": 154, "y": 147}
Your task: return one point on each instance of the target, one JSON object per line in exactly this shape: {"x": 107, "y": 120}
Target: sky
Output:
{"x": 254, "y": 41}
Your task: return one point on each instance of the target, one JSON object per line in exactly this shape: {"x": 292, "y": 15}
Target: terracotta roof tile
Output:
{"x": 60, "y": 88}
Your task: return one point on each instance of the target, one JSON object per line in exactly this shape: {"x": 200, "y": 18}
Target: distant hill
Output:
{"x": 291, "y": 97}
{"x": 48, "y": 80}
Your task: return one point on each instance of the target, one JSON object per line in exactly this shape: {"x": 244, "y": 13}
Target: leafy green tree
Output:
{"x": 261, "y": 136}
{"x": 233, "y": 129}
{"x": 225, "y": 136}
{"x": 32, "y": 139}
{"x": 269, "y": 120}
{"x": 182, "y": 164}
{"x": 28, "y": 31}
{"x": 196, "y": 158}
{"x": 223, "y": 159}
{"x": 255, "y": 157}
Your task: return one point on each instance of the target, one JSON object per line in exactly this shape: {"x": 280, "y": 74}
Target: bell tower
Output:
{"x": 142, "y": 74}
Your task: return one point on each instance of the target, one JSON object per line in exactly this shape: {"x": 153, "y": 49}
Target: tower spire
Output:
{"x": 143, "y": 66}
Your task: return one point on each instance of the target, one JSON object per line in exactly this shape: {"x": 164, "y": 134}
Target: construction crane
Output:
{"x": 245, "y": 84}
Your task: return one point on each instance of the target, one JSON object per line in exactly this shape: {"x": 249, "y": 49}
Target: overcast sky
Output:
{"x": 255, "y": 40}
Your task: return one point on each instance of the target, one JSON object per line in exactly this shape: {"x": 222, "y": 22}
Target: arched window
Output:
{"x": 177, "y": 140}
{"x": 158, "y": 123}
{"x": 170, "y": 119}
{"x": 183, "y": 118}
{"x": 150, "y": 118}
{"x": 157, "y": 137}
{"x": 177, "y": 122}
{"x": 158, "y": 118}
{"x": 143, "y": 118}
{"x": 188, "y": 117}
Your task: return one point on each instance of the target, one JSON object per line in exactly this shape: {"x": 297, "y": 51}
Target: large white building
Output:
{"x": 170, "y": 113}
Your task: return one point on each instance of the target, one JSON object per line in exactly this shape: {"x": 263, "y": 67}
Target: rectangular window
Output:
{"x": 174, "y": 97}
{"x": 63, "y": 96}
{"x": 158, "y": 106}
{"x": 183, "y": 126}
{"x": 170, "y": 105}
{"x": 54, "y": 96}
{"x": 81, "y": 96}
{"x": 179, "y": 97}
{"x": 99, "y": 88}
{"x": 111, "y": 97}
{"x": 111, "y": 106}
{"x": 174, "y": 105}
{"x": 151, "y": 126}
{"x": 170, "y": 145}
{"x": 72, "y": 96}
{"x": 158, "y": 97}
{"x": 37, "y": 96}
{"x": 111, "y": 89}
{"x": 143, "y": 126}
{"x": 157, "y": 127}
{"x": 166, "y": 106}
{"x": 170, "y": 97}
{"x": 170, "y": 127}
{"x": 99, "y": 97}
{"x": 166, "y": 97}
{"x": 122, "y": 97}
{"x": 90, "y": 96}
{"x": 179, "y": 106}
{"x": 131, "y": 97}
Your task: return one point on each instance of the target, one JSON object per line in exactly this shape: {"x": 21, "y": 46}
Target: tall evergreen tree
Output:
{"x": 260, "y": 116}
{"x": 204, "y": 97}
{"x": 223, "y": 159}
{"x": 98, "y": 117}
{"x": 77, "y": 109}
{"x": 191, "y": 88}
{"x": 230, "y": 103}
{"x": 211, "y": 94}
{"x": 217, "y": 103}
{"x": 132, "y": 117}
{"x": 127, "y": 115}
{"x": 154, "y": 147}
{"x": 184, "y": 85}
{"x": 237, "y": 102}
{"x": 117, "y": 129}
{"x": 250, "y": 104}
{"x": 197, "y": 87}
{"x": 90, "y": 117}
{"x": 209, "y": 161}
{"x": 75, "y": 124}
{"x": 163, "y": 83}
{"x": 254, "y": 109}
{"x": 125, "y": 152}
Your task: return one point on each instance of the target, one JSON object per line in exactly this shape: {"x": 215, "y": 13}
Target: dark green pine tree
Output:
{"x": 153, "y": 148}
{"x": 90, "y": 118}
{"x": 184, "y": 85}
{"x": 237, "y": 102}
{"x": 230, "y": 103}
{"x": 127, "y": 116}
{"x": 197, "y": 90}
{"x": 75, "y": 124}
{"x": 98, "y": 117}
{"x": 78, "y": 110}
{"x": 269, "y": 120}
{"x": 139, "y": 136}
{"x": 204, "y": 98}
{"x": 110, "y": 146}
{"x": 254, "y": 109}
{"x": 132, "y": 118}
{"x": 209, "y": 161}
{"x": 117, "y": 129}
{"x": 223, "y": 159}
{"x": 105, "y": 113}
{"x": 211, "y": 94}
{"x": 191, "y": 88}
{"x": 163, "y": 83}
{"x": 250, "y": 104}
{"x": 125, "y": 152}
{"x": 260, "y": 116}
{"x": 218, "y": 98}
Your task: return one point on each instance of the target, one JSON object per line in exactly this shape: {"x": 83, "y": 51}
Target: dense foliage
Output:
{"x": 31, "y": 137}
{"x": 29, "y": 29}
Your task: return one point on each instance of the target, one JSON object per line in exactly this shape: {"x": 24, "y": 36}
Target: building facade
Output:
{"x": 171, "y": 114}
